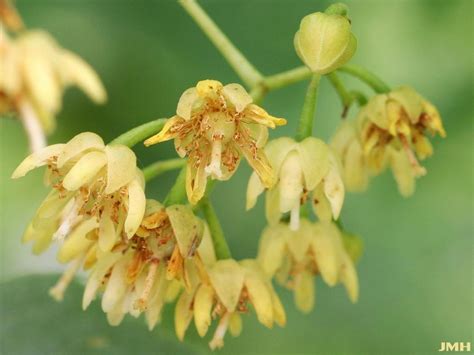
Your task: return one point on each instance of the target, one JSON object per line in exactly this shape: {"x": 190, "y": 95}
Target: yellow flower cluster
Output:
{"x": 391, "y": 130}
{"x": 34, "y": 72}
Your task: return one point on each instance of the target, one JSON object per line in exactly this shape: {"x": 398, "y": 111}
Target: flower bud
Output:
{"x": 324, "y": 41}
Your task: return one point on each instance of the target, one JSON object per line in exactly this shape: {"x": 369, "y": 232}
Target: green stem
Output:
{"x": 305, "y": 127}
{"x": 367, "y": 77}
{"x": 359, "y": 97}
{"x": 155, "y": 169}
{"x": 247, "y": 72}
{"x": 344, "y": 95}
{"x": 217, "y": 234}
{"x": 285, "y": 78}
{"x": 140, "y": 133}
{"x": 257, "y": 93}
{"x": 177, "y": 193}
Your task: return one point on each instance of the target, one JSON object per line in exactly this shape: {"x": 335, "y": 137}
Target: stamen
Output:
{"x": 57, "y": 291}
{"x": 295, "y": 217}
{"x": 70, "y": 219}
{"x": 32, "y": 125}
{"x": 217, "y": 341}
{"x": 142, "y": 303}
{"x": 214, "y": 168}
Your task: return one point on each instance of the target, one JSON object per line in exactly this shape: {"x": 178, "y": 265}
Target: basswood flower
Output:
{"x": 302, "y": 168}
{"x": 34, "y": 72}
{"x": 97, "y": 197}
{"x": 324, "y": 42}
{"x": 9, "y": 16}
{"x": 231, "y": 287}
{"x": 296, "y": 256}
{"x": 214, "y": 125}
{"x": 393, "y": 129}
{"x": 347, "y": 145}
{"x": 139, "y": 275}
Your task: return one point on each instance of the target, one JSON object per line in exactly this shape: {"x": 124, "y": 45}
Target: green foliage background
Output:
{"x": 416, "y": 275}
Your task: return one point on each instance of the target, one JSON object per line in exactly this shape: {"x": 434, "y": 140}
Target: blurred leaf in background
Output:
{"x": 416, "y": 273}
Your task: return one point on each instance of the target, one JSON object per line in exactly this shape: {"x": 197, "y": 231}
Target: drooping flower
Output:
{"x": 302, "y": 168}
{"x": 97, "y": 197}
{"x": 294, "y": 257}
{"x": 214, "y": 125}
{"x": 34, "y": 72}
{"x": 348, "y": 147}
{"x": 324, "y": 42}
{"x": 393, "y": 130}
{"x": 141, "y": 274}
{"x": 230, "y": 288}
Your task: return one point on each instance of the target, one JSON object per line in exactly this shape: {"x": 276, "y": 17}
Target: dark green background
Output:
{"x": 416, "y": 275}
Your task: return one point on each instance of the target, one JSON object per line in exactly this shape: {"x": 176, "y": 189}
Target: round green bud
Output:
{"x": 324, "y": 42}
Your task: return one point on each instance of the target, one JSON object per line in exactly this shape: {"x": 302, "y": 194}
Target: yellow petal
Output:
{"x": 37, "y": 159}
{"x": 299, "y": 241}
{"x": 260, "y": 297}
{"x": 186, "y": 103}
{"x": 121, "y": 164}
{"x": 77, "y": 242}
{"x": 334, "y": 188}
{"x": 403, "y": 172}
{"x": 84, "y": 170}
{"x": 272, "y": 205}
{"x": 279, "y": 314}
{"x": 376, "y": 110}
{"x": 304, "y": 291}
{"x": 76, "y": 71}
{"x": 410, "y": 100}
{"x": 116, "y": 285}
{"x": 237, "y": 95}
{"x": 277, "y": 150}
{"x": 327, "y": 248}
{"x": 256, "y": 114}
{"x": 186, "y": 227}
{"x": 349, "y": 278}
{"x": 203, "y": 303}
{"x": 97, "y": 275}
{"x": 136, "y": 208}
{"x": 320, "y": 203}
{"x": 272, "y": 248}
{"x": 78, "y": 144}
{"x": 356, "y": 177}
{"x": 254, "y": 189}
{"x": 227, "y": 278}
{"x": 196, "y": 181}
{"x": 183, "y": 314}
{"x": 169, "y": 131}
{"x": 107, "y": 234}
{"x": 206, "y": 248}
{"x": 291, "y": 182}
{"x": 314, "y": 155}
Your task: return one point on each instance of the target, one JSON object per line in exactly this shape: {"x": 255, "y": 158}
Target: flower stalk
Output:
{"x": 217, "y": 234}
{"x": 160, "y": 167}
{"x": 377, "y": 84}
{"x": 177, "y": 193}
{"x": 344, "y": 95}
{"x": 305, "y": 126}
{"x": 140, "y": 133}
{"x": 246, "y": 71}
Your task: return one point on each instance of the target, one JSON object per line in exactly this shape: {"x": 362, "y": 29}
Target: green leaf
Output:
{"x": 33, "y": 323}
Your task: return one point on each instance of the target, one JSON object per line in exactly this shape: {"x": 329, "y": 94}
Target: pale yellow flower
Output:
{"x": 34, "y": 72}
{"x": 9, "y": 16}
{"x": 141, "y": 274}
{"x": 302, "y": 168}
{"x": 97, "y": 196}
{"x": 214, "y": 125}
{"x": 393, "y": 130}
{"x": 229, "y": 290}
{"x": 294, "y": 257}
{"x": 347, "y": 145}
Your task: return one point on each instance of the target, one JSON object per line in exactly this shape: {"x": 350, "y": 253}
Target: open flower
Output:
{"x": 141, "y": 274}
{"x": 302, "y": 168}
{"x": 97, "y": 196}
{"x": 230, "y": 288}
{"x": 34, "y": 71}
{"x": 348, "y": 147}
{"x": 393, "y": 129}
{"x": 214, "y": 125}
{"x": 296, "y": 256}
